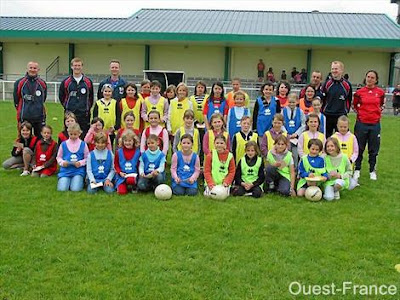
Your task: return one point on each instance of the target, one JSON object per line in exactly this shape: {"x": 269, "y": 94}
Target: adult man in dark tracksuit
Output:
{"x": 30, "y": 93}
{"x": 117, "y": 82}
{"x": 337, "y": 97}
{"x": 76, "y": 94}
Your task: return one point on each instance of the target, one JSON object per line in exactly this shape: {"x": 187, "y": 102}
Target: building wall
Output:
{"x": 96, "y": 57}
{"x": 244, "y": 61}
{"x": 17, "y": 55}
{"x": 195, "y": 61}
{"x": 356, "y": 63}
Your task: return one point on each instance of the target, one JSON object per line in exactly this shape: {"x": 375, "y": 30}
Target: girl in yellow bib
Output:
{"x": 268, "y": 139}
{"x": 280, "y": 173}
{"x": 219, "y": 166}
{"x": 108, "y": 110}
{"x": 187, "y": 128}
{"x": 155, "y": 102}
{"x": 217, "y": 127}
{"x": 347, "y": 141}
{"x": 241, "y": 138}
{"x": 132, "y": 102}
{"x": 177, "y": 108}
{"x": 312, "y": 127}
{"x": 339, "y": 171}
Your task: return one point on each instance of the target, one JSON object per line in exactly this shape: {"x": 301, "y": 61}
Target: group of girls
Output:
{"x": 201, "y": 130}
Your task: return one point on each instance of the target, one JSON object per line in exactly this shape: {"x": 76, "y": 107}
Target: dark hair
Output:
{"x": 316, "y": 142}
{"x": 48, "y": 127}
{"x": 187, "y": 136}
{"x": 129, "y": 114}
{"x": 376, "y": 74}
{"x": 188, "y": 114}
{"x": 154, "y": 112}
{"x": 170, "y": 88}
{"x": 200, "y": 83}
{"x": 286, "y": 84}
{"x": 97, "y": 119}
{"x": 220, "y": 137}
{"x": 305, "y": 89}
{"x": 27, "y": 125}
{"x": 220, "y": 84}
{"x": 312, "y": 115}
{"x": 130, "y": 84}
{"x": 254, "y": 145}
{"x": 155, "y": 83}
{"x": 267, "y": 83}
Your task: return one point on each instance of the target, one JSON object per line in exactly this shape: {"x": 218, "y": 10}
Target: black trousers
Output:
{"x": 84, "y": 123}
{"x": 368, "y": 134}
{"x": 331, "y": 125}
{"x": 282, "y": 185}
{"x": 255, "y": 191}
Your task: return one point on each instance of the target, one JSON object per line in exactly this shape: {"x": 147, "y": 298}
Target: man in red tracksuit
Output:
{"x": 76, "y": 95}
{"x": 30, "y": 93}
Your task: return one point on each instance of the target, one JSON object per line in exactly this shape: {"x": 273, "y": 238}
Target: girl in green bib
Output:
{"x": 339, "y": 170}
{"x": 219, "y": 166}
{"x": 249, "y": 174}
{"x": 280, "y": 173}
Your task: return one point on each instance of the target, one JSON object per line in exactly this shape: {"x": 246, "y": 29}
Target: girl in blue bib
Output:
{"x": 185, "y": 168}
{"x": 71, "y": 157}
{"x": 100, "y": 166}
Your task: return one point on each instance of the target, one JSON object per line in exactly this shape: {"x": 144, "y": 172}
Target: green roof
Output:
{"x": 216, "y": 26}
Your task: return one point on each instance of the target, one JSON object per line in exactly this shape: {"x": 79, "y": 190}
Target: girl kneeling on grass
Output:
{"x": 339, "y": 171}
{"x": 72, "y": 156}
{"x": 151, "y": 166}
{"x": 219, "y": 166}
{"x": 100, "y": 166}
{"x": 44, "y": 158}
{"x": 22, "y": 152}
{"x": 126, "y": 162}
{"x": 185, "y": 168}
{"x": 280, "y": 173}
{"x": 311, "y": 165}
{"x": 249, "y": 174}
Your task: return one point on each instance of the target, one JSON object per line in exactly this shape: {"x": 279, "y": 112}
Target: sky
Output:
{"x": 121, "y": 9}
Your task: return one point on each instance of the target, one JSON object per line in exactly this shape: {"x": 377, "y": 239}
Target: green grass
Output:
{"x": 76, "y": 246}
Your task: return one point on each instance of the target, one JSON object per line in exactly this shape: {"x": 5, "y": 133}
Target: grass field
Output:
{"x": 75, "y": 246}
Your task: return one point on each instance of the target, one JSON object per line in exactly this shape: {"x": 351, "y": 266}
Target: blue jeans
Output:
{"x": 182, "y": 191}
{"x": 107, "y": 189}
{"x": 147, "y": 184}
{"x": 74, "y": 183}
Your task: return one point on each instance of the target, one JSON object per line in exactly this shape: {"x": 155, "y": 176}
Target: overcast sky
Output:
{"x": 120, "y": 8}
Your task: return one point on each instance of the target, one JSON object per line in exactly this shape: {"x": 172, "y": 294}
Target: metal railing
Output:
{"x": 53, "y": 69}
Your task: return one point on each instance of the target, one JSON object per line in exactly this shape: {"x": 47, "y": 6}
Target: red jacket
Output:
{"x": 368, "y": 104}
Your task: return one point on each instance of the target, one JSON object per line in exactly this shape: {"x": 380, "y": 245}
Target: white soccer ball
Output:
{"x": 163, "y": 192}
{"x": 219, "y": 192}
{"x": 313, "y": 193}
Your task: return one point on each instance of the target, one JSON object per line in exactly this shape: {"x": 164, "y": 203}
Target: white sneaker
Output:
{"x": 336, "y": 195}
{"x": 373, "y": 176}
{"x": 356, "y": 175}
{"x": 25, "y": 173}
